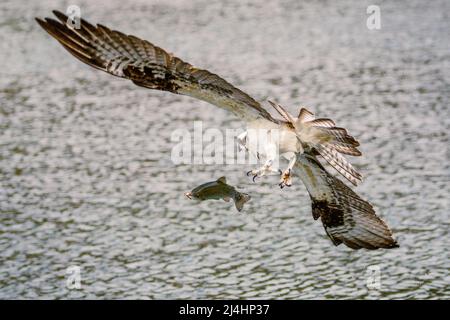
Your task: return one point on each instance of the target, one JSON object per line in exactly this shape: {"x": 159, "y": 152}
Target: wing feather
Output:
{"x": 149, "y": 66}
{"x": 339, "y": 163}
{"x": 305, "y": 115}
{"x": 345, "y": 216}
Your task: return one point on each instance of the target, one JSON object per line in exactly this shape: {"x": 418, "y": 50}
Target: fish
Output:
{"x": 219, "y": 189}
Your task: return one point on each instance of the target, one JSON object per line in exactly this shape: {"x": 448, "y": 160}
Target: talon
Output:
{"x": 286, "y": 179}
{"x": 281, "y": 172}
{"x": 248, "y": 173}
{"x": 254, "y": 177}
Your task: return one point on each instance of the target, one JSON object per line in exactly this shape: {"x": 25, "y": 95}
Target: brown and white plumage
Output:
{"x": 328, "y": 140}
{"x": 149, "y": 66}
{"x": 345, "y": 216}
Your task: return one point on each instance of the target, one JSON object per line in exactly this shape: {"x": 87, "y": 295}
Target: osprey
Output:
{"x": 345, "y": 216}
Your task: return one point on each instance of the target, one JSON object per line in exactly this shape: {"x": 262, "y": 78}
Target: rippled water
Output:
{"x": 86, "y": 178}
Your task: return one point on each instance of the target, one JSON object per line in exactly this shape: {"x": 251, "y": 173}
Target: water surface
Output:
{"x": 86, "y": 177}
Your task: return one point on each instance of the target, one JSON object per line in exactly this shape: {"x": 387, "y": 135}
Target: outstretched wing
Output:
{"x": 346, "y": 217}
{"x": 149, "y": 66}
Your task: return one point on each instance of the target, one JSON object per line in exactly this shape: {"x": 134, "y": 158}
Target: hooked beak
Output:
{"x": 188, "y": 194}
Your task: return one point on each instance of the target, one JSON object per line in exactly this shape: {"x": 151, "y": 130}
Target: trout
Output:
{"x": 219, "y": 189}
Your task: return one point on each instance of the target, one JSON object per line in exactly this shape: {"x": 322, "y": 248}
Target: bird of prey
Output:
{"x": 345, "y": 216}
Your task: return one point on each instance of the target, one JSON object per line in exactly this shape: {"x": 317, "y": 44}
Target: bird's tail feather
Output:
{"x": 339, "y": 163}
{"x": 322, "y": 122}
{"x": 340, "y": 135}
{"x": 344, "y": 149}
{"x": 305, "y": 115}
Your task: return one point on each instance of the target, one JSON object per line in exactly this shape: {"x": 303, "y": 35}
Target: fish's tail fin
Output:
{"x": 240, "y": 199}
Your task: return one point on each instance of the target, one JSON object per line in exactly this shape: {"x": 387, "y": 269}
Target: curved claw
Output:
{"x": 281, "y": 172}
{"x": 254, "y": 178}
{"x": 286, "y": 179}
{"x": 248, "y": 173}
